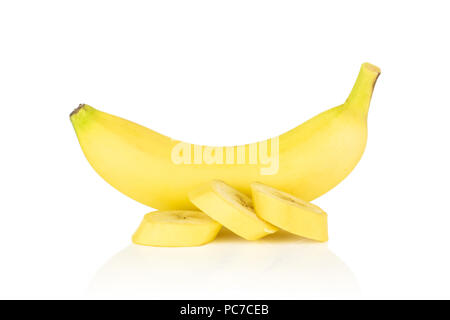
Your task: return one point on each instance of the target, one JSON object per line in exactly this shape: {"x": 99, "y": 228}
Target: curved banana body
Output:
{"x": 158, "y": 171}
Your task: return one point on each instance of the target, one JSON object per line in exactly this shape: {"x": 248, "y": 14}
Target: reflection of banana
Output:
{"x": 292, "y": 267}
{"x": 290, "y": 213}
{"x": 176, "y": 229}
{"x": 306, "y": 161}
{"x": 231, "y": 208}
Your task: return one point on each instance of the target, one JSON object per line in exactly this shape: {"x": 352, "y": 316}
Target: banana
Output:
{"x": 155, "y": 170}
{"x": 230, "y": 208}
{"x": 176, "y": 229}
{"x": 290, "y": 213}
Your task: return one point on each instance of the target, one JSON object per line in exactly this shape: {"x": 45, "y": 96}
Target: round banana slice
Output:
{"x": 176, "y": 229}
{"x": 290, "y": 213}
{"x": 231, "y": 208}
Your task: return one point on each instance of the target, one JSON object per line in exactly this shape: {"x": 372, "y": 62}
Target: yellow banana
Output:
{"x": 290, "y": 213}
{"x": 155, "y": 170}
{"x": 176, "y": 229}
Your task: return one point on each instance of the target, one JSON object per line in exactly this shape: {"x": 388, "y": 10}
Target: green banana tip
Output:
{"x": 81, "y": 115}
{"x": 77, "y": 109}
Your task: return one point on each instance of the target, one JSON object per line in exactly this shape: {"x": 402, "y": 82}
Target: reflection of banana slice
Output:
{"x": 176, "y": 229}
{"x": 290, "y": 213}
{"x": 231, "y": 208}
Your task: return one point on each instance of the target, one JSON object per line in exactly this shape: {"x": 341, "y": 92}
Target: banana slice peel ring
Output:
{"x": 290, "y": 213}
{"x": 232, "y": 209}
{"x": 180, "y": 228}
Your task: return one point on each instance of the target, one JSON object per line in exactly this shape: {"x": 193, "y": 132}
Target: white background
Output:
{"x": 223, "y": 72}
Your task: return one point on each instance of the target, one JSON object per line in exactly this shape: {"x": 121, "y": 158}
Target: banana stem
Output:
{"x": 359, "y": 98}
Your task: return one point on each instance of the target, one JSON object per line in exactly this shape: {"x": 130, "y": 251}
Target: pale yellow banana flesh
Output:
{"x": 310, "y": 160}
{"x": 232, "y": 209}
{"x": 176, "y": 229}
{"x": 290, "y": 213}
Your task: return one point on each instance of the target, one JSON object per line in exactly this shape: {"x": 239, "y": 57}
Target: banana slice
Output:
{"x": 232, "y": 209}
{"x": 176, "y": 229}
{"x": 290, "y": 213}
